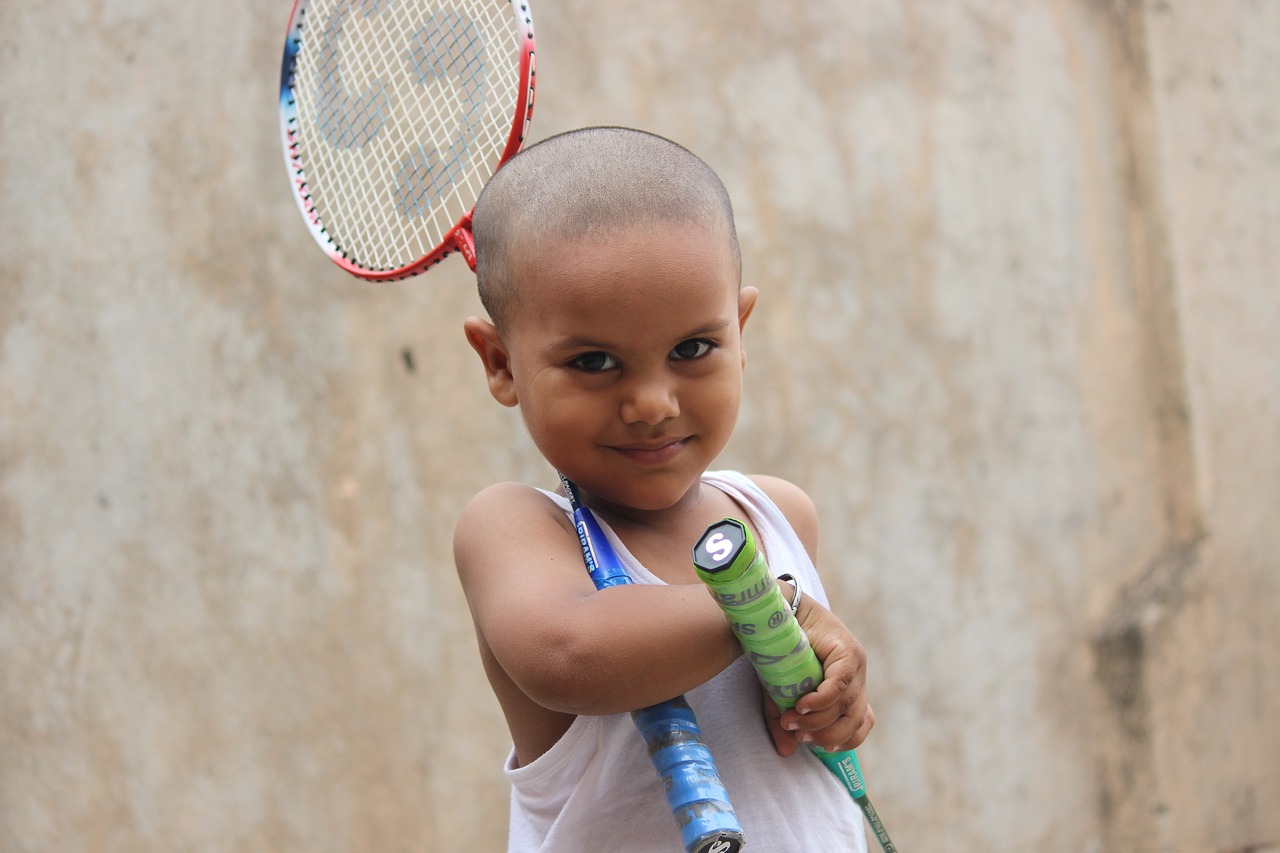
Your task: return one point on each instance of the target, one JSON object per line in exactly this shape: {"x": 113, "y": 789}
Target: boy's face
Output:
{"x": 624, "y": 353}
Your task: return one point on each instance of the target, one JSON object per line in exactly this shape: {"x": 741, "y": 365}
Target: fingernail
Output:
{"x": 802, "y": 710}
{"x": 791, "y": 725}
{"x": 806, "y": 738}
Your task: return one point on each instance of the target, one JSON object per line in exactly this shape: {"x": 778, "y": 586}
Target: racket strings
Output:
{"x": 459, "y": 56}
{"x": 403, "y": 110}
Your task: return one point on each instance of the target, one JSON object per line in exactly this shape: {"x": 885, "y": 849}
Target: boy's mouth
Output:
{"x": 652, "y": 452}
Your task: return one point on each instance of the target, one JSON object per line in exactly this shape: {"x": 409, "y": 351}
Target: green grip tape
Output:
{"x": 727, "y": 560}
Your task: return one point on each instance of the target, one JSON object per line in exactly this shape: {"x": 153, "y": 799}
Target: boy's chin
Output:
{"x": 655, "y": 495}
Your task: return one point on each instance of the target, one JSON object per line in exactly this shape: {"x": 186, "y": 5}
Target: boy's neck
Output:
{"x": 621, "y": 515}
{"x": 687, "y": 519}
{"x": 662, "y": 540}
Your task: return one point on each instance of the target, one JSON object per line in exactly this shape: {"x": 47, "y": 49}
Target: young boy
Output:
{"x": 608, "y": 263}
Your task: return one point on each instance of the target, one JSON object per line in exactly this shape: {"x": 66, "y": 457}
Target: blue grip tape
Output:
{"x": 695, "y": 794}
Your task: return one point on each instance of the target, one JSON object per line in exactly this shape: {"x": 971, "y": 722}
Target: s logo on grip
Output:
{"x": 718, "y": 547}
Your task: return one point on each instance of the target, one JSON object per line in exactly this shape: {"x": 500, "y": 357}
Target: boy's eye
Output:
{"x": 594, "y": 362}
{"x": 694, "y": 348}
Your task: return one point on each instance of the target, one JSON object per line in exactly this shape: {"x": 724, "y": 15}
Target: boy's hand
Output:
{"x": 836, "y": 716}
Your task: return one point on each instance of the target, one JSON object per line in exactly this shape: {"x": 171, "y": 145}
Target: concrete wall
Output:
{"x": 1018, "y": 268}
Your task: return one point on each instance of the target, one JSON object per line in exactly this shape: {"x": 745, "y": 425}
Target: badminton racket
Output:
{"x": 393, "y": 115}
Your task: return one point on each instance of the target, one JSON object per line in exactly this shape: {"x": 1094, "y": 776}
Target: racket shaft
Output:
{"x": 602, "y": 561}
{"x": 695, "y": 793}
{"x": 844, "y": 766}
{"x": 727, "y": 560}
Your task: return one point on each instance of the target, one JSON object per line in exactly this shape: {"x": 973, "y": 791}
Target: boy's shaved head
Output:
{"x": 590, "y": 182}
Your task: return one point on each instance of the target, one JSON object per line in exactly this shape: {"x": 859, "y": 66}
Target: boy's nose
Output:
{"x": 650, "y": 402}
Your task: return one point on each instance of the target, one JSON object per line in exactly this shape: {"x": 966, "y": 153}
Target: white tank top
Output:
{"x": 596, "y": 790}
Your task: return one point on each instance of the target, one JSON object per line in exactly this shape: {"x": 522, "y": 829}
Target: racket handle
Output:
{"x": 727, "y": 560}
{"x": 695, "y": 793}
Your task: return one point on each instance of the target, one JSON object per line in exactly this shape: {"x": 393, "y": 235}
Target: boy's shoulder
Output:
{"x": 796, "y": 506}
{"x": 505, "y": 507}
{"x": 502, "y": 494}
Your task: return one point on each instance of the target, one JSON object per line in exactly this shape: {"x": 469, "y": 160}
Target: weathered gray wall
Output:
{"x": 1018, "y": 266}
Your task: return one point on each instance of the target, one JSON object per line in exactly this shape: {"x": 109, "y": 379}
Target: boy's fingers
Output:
{"x": 784, "y": 741}
{"x": 834, "y": 703}
{"x": 860, "y": 734}
{"x": 834, "y": 689}
{"x": 846, "y": 732}
{"x": 841, "y": 730}
{"x": 843, "y": 685}
{"x": 844, "y": 663}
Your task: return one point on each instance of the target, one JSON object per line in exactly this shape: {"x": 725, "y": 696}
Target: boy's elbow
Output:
{"x": 571, "y": 677}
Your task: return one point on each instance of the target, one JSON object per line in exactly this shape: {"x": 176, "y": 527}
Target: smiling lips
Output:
{"x": 652, "y": 452}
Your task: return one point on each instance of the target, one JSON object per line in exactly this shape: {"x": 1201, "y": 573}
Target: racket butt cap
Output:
{"x": 721, "y": 842}
{"x": 720, "y": 545}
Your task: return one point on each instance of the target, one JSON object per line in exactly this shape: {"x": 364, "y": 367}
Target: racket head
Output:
{"x": 393, "y": 115}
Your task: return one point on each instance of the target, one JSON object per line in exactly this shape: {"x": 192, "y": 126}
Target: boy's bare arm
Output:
{"x": 569, "y": 647}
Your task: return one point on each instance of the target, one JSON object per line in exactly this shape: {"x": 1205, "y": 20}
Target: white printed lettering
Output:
{"x": 719, "y": 547}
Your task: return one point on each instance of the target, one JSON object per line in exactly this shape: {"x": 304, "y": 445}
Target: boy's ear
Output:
{"x": 746, "y": 304}
{"x": 488, "y": 344}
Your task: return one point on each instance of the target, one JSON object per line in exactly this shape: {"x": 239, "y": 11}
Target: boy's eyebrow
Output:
{"x": 709, "y": 328}
{"x": 575, "y": 343}
{"x": 583, "y": 342}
